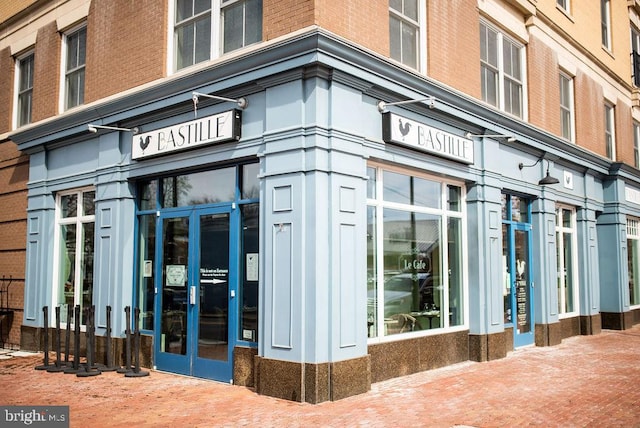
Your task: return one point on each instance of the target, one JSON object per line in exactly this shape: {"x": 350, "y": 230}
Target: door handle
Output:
{"x": 192, "y": 295}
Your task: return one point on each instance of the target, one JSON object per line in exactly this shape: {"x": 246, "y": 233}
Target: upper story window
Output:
{"x": 205, "y": 29}
{"x": 75, "y": 45}
{"x": 636, "y": 144}
{"x": 635, "y": 56}
{"x": 605, "y": 23}
{"x": 501, "y": 65}
{"x": 566, "y": 106}
{"x": 24, "y": 92}
{"x": 609, "y": 132}
{"x": 404, "y": 31}
{"x": 564, "y": 5}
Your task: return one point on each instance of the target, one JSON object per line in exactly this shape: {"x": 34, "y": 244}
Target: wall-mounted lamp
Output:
{"x": 94, "y": 128}
{"x": 510, "y": 138}
{"x": 430, "y": 101}
{"x": 242, "y": 102}
{"x": 547, "y": 179}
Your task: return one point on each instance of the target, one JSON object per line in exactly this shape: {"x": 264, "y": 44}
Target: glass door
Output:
{"x": 196, "y": 286}
{"x": 518, "y": 284}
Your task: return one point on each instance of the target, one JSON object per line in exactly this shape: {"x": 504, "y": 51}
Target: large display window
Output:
{"x": 415, "y": 242}
{"x": 633, "y": 260}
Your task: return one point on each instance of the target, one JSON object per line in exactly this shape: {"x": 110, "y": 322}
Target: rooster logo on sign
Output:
{"x": 404, "y": 128}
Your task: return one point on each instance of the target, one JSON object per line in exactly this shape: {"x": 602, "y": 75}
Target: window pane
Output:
{"x": 395, "y": 39}
{"x": 233, "y": 26}
{"x": 206, "y": 187}
{"x": 250, "y": 253}
{"x": 148, "y": 195}
{"x": 372, "y": 276}
{"x": 250, "y": 181}
{"x": 88, "y": 203}
{"x": 454, "y": 198}
{"x": 69, "y": 205}
{"x": 568, "y": 272}
{"x": 404, "y": 189}
{"x": 413, "y": 282}
{"x": 203, "y": 40}
{"x": 371, "y": 183}
{"x": 409, "y": 45}
{"x": 184, "y": 9}
{"x": 86, "y": 268}
{"x": 456, "y": 292}
{"x": 146, "y": 270}
{"x": 489, "y": 85}
{"x": 411, "y": 9}
{"x": 184, "y": 46}
{"x": 396, "y": 5}
{"x": 66, "y": 265}
{"x": 253, "y": 26}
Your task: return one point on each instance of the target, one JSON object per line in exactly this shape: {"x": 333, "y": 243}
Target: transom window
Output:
{"x": 75, "y": 237}
{"x": 566, "y": 261}
{"x": 501, "y": 70}
{"x": 404, "y": 31}
{"x": 633, "y": 255}
{"x": 25, "y": 89}
{"x": 74, "y": 67}
{"x": 205, "y": 29}
{"x": 415, "y": 239}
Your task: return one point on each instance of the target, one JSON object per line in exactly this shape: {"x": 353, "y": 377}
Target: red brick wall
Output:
{"x": 624, "y": 133}
{"x": 589, "y": 103}
{"x": 543, "y": 86}
{"x": 454, "y": 44}
{"x": 7, "y": 66}
{"x": 126, "y": 45}
{"x": 281, "y": 17}
{"x": 46, "y": 76}
{"x": 14, "y": 173}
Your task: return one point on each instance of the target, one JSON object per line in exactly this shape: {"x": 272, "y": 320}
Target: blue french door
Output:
{"x": 198, "y": 283}
{"x": 519, "y": 290}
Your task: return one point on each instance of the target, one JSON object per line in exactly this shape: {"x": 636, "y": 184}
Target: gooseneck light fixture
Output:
{"x": 547, "y": 179}
{"x": 241, "y": 102}
{"x": 510, "y": 138}
{"x": 94, "y": 128}
{"x": 430, "y": 101}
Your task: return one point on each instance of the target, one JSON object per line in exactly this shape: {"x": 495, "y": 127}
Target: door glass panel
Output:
{"x": 522, "y": 282}
{"x": 213, "y": 318}
{"x": 175, "y": 256}
{"x": 250, "y": 256}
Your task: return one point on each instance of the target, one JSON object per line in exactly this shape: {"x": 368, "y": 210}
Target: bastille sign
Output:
{"x": 217, "y": 128}
{"x": 418, "y": 136}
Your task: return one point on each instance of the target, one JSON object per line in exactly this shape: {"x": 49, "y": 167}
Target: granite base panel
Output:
{"x": 487, "y": 347}
{"x": 403, "y": 357}
{"x": 635, "y": 316}
{"x": 244, "y": 366}
{"x": 617, "y": 320}
{"x": 312, "y": 383}
{"x": 590, "y": 324}
{"x": 548, "y": 334}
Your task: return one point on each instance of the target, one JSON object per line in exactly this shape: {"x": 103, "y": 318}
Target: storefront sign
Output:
{"x": 400, "y": 130}
{"x": 208, "y": 130}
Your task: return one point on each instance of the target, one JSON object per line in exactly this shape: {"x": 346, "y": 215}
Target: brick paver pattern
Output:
{"x": 584, "y": 381}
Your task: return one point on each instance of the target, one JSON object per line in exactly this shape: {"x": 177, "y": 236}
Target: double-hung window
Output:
{"x": 609, "y": 132}
{"x": 75, "y": 236}
{"x": 635, "y": 56}
{"x": 205, "y": 29}
{"x": 501, "y": 68}
{"x": 74, "y": 67}
{"x": 25, "y": 67}
{"x": 566, "y": 106}
{"x": 415, "y": 253}
{"x": 605, "y": 23}
{"x": 566, "y": 262}
{"x": 636, "y": 144}
{"x": 633, "y": 262}
{"x": 404, "y": 31}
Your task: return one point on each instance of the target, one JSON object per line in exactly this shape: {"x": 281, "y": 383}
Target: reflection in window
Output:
{"x": 207, "y": 187}
{"x": 146, "y": 270}
{"x": 565, "y": 244}
{"x": 633, "y": 259}
{"x": 75, "y": 251}
{"x": 249, "y": 283}
{"x": 414, "y": 281}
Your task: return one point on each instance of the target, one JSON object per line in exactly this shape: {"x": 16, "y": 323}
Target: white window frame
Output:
{"x": 502, "y": 76}
{"x": 605, "y": 24}
{"x": 216, "y": 36}
{"x": 560, "y": 232}
{"x": 633, "y": 234}
{"x": 635, "y": 48}
{"x": 567, "y": 111}
{"x": 564, "y": 5}
{"x": 20, "y": 61}
{"x": 79, "y": 221}
{"x": 421, "y": 38}
{"x": 379, "y": 204}
{"x": 63, "y": 67}
{"x": 610, "y": 130}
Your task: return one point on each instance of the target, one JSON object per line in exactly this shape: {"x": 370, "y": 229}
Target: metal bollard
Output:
{"x": 90, "y": 368}
{"x": 45, "y": 365}
{"x": 127, "y": 351}
{"x": 76, "y": 343}
{"x": 136, "y": 370}
{"x": 109, "y": 367}
{"x": 67, "y": 336}
{"x": 58, "y": 367}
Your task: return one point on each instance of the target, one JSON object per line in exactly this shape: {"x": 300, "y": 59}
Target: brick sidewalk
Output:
{"x": 584, "y": 381}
